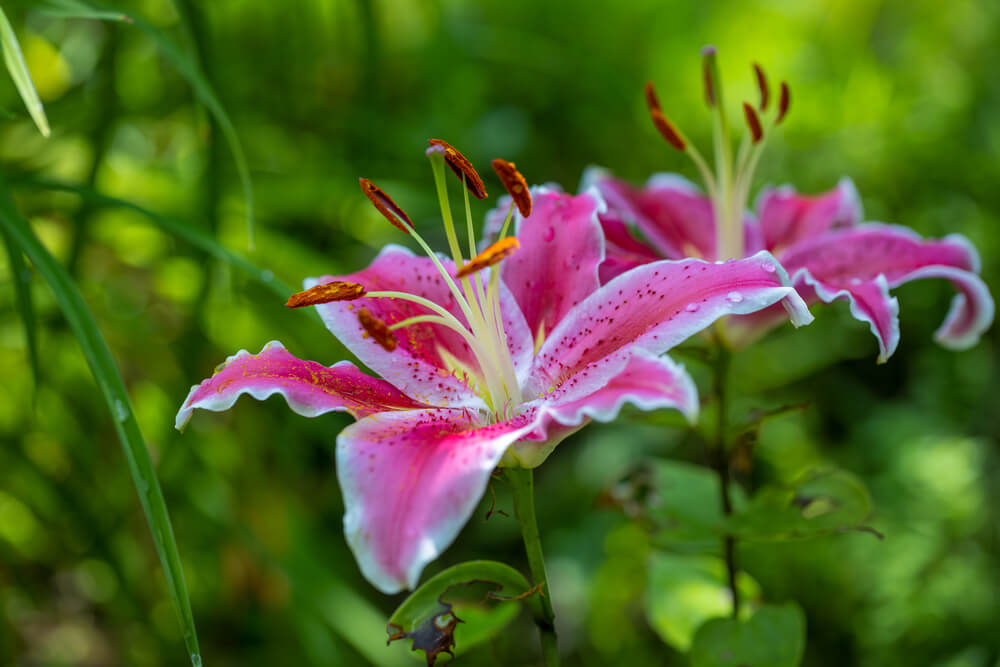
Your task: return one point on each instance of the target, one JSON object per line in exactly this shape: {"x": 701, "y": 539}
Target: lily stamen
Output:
{"x": 729, "y": 186}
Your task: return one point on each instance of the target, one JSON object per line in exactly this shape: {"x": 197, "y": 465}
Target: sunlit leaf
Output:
{"x": 14, "y": 60}
{"x": 185, "y": 65}
{"x": 773, "y": 637}
{"x": 112, "y": 388}
{"x": 462, "y": 606}
{"x": 684, "y": 591}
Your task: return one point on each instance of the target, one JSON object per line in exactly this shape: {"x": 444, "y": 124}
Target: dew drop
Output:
{"x": 734, "y": 297}
{"x": 195, "y": 660}
{"x": 267, "y": 275}
{"x": 691, "y": 307}
{"x": 550, "y": 233}
{"x": 768, "y": 267}
{"x": 121, "y": 412}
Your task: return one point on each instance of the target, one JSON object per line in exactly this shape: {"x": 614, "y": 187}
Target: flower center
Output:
{"x": 729, "y": 185}
{"x": 495, "y": 379}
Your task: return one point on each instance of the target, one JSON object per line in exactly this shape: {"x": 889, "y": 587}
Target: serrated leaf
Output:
{"x": 14, "y": 60}
{"x": 185, "y": 65}
{"x": 684, "y": 591}
{"x": 773, "y": 637}
{"x": 461, "y": 606}
{"x": 112, "y": 387}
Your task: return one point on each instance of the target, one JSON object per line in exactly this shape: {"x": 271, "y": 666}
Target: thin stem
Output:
{"x": 523, "y": 488}
{"x": 721, "y": 463}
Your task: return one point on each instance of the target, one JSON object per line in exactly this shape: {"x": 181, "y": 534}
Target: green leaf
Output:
{"x": 821, "y": 502}
{"x": 462, "y": 606}
{"x": 773, "y": 637}
{"x": 22, "y": 289}
{"x": 14, "y": 59}
{"x": 186, "y": 66}
{"x": 682, "y": 500}
{"x": 684, "y": 591}
{"x": 112, "y": 388}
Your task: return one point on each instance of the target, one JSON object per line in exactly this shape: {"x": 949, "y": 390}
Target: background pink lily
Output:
{"x": 818, "y": 239}
{"x": 416, "y": 463}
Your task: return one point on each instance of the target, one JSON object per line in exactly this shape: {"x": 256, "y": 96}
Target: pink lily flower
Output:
{"x": 819, "y": 239}
{"x": 484, "y": 366}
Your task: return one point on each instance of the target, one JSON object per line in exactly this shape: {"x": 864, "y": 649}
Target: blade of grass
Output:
{"x": 186, "y": 66}
{"x": 193, "y": 234}
{"x": 14, "y": 59}
{"x": 22, "y": 290}
{"x": 112, "y": 387}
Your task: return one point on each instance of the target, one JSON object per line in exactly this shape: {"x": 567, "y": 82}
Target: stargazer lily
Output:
{"x": 484, "y": 365}
{"x": 819, "y": 239}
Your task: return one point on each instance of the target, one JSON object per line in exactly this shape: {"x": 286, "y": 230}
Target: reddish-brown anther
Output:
{"x": 338, "y": 290}
{"x": 462, "y": 168}
{"x": 496, "y": 252}
{"x": 753, "y": 122}
{"x": 377, "y": 329}
{"x": 707, "y": 66}
{"x": 514, "y": 184}
{"x": 652, "y": 101}
{"x": 668, "y": 130}
{"x": 385, "y": 205}
{"x": 765, "y": 92}
{"x": 783, "y": 101}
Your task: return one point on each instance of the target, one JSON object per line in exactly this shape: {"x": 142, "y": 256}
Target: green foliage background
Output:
{"x": 901, "y": 95}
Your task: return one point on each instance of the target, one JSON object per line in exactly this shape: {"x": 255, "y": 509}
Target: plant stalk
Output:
{"x": 523, "y": 488}
{"x": 721, "y": 463}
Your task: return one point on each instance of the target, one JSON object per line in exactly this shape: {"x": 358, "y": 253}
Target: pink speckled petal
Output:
{"x": 622, "y": 251}
{"x": 311, "y": 389}
{"x": 420, "y": 365}
{"x": 861, "y": 264}
{"x": 787, "y": 217}
{"x": 643, "y": 380}
{"x": 411, "y": 480}
{"x": 654, "y": 307}
{"x": 556, "y": 265}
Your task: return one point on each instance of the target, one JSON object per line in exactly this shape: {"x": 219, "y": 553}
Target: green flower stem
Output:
{"x": 523, "y": 487}
{"x": 720, "y": 457}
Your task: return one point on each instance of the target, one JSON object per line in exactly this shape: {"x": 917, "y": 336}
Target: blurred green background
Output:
{"x": 901, "y": 95}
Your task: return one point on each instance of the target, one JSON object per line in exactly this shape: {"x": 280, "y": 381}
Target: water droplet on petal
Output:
{"x": 734, "y": 297}
{"x": 550, "y": 233}
{"x": 768, "y": 267}
{"x": 121, "y": 412}
{"x": 691, "y": 307}
{"x": 855, "y": 281}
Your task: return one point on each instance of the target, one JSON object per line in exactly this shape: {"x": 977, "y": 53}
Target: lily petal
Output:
{"x": 622, "y": 250}
{"x": 411, "y": 480}
{"x": 654, "y": 307}
{"x": 670, "y": 211}
{"x": 425, "y": 363}
{"x": 861, "y": 265}
{"x": 644, "y": 380}
{"x": 787, "y": 217}
{"x": 311, "y": 389}
{"x": 561, "y": 248}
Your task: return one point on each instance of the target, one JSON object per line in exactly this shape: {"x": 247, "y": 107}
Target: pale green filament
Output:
{"x": 484, "y": 332}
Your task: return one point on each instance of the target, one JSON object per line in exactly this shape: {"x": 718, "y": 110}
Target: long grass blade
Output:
{"x": 22, "y": 291}
{"x": 109, "y": 381}
{"x": 193, "y": 234}
{"x": 14, "y": 59}
{"x": 186, "y": 66}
